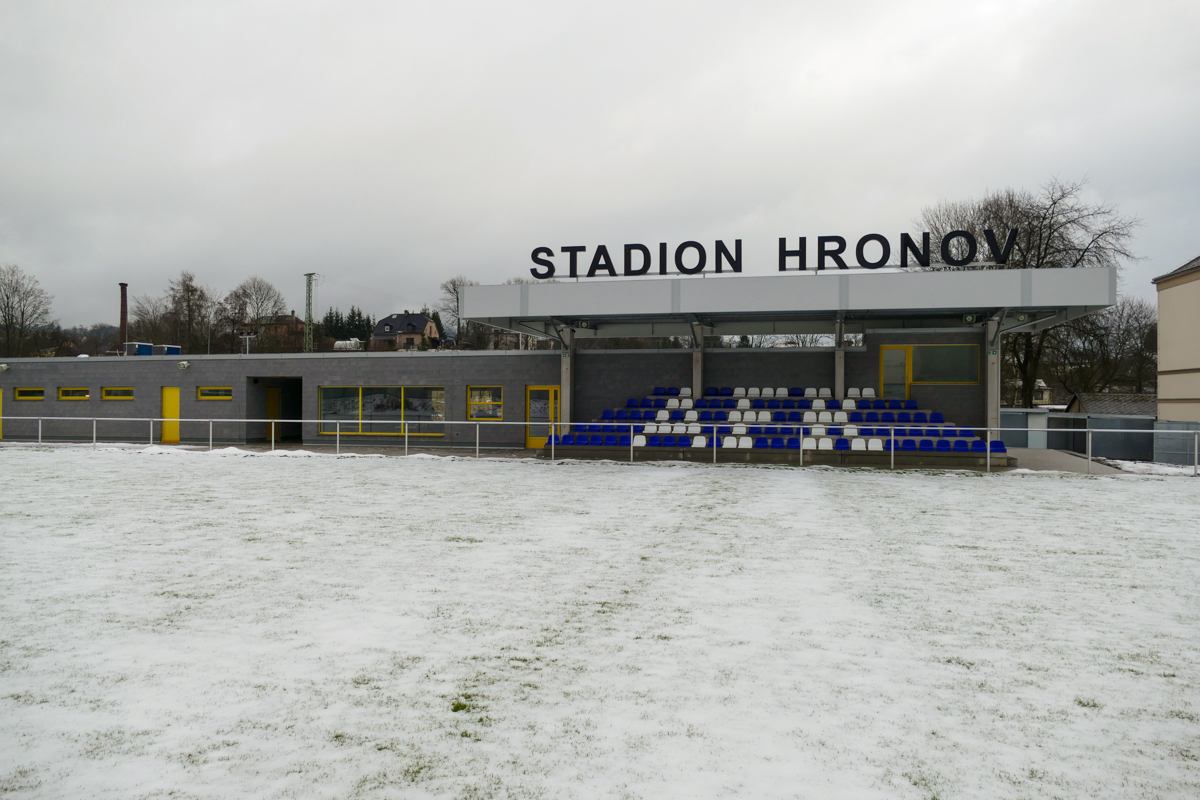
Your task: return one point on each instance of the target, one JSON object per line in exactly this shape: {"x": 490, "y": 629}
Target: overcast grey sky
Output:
{"x": 389, "y": 146}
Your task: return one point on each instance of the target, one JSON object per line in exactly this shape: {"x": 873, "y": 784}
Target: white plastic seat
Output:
{"x": 686, "y": 391}
{"x": 810, "y": 416}
{"x": 853, "y": 393}
{"x": 673, "y": 403}
{"x": 782, "y": 391}
{"x": 850, "y": 430}
{"x": 685, "y": 403}
{"x": 768, "y": 391}
{"x": 735, "y": 416}
{"x": 840, "y": 417}
{"x": 678, "y": 428}
{"x": 818, "y": 430}
{"x": 858, "y": 444}
{"x": 692, "y": 430}
{"x": 730, "y": 442}
{"x": 850, "y": 405}
{"x": 743, "y": 403}
{"x": 875, "y": 444}
{"x": 639, "y": 440}
{"x": 809, "y": 443}
{"x": 818, "y": 404}
{"x": 825, "y": 417}
{"x": 745, "y": 443}
{"x": 739, "y": 392}
{"x": 739, "y": 430}
{"x": 868, "y": 392}
{"x": 650, "y": 428}
{"x": 691, "y": 416}
{"x": 825, "y": 444}
{"x": 699, "y": 441}
{"x": 825, "y": 393}
{"x": 810, "y": 392}
{"x": 663, "y": 415}
{"x": 765, "y": 416}
{"x": 753, "y": 392}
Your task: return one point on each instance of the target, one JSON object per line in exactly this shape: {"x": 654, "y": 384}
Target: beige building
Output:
{"x": 1179, "y": 343}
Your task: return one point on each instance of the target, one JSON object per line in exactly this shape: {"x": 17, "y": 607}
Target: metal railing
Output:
{"x": 711, "y": 431}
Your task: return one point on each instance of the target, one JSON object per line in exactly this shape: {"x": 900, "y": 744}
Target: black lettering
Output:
{"x": 662, "y": 258}
{"x": 735, "y": 261}
{"x": 1000, "y": 254}
{"x": 860, "y": 251}
{"x": 574, "y": 250}
{"x": 800, "y": 254}
{"x": 679, "y": 251}
{"x": 601, "y": 261}
{"x": 972, "y": 248}
{"x": 824, "y": 252}
{"x": 645, "y": 267}
{"x": 907, "y": 245}
{"x": 542, "y": 262}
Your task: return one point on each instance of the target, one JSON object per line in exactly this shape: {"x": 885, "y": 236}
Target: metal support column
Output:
{"x": 566, "y": 378}
{"x": 839, "y": 359}
{"x": 210, "y": 429}
{"x": 697, "y": 357}
{"x": 992, "y": 370}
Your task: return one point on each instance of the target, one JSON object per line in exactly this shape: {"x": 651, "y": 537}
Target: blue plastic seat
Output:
{"x": 926, "y": 446}
{"x": 607, "y": 429}
{"x": 726, "y": 391}
{"x": 761, "y": 443}
{"x": 754, "y": 430}
{"x": 806, "y": 431}
{"x": 720, "y": 416}
{"x": 707, "y": 430}
{"x": 777, "y": 443}
{"x": 879, "y": 404}
{"x": 668, "y": 441}
{"x": 701, "y": 403}
{"x": 623, "y": 440}
{"x": 943, "y": 446}
{"x": 803, "y": 403}
{"x": 920, "y": 417}
{"x": 567, "y": 439}
{"x": 677, "y": 415}
{"x": 660, "y": 402}
{"x": 684, "y": 441}
{"x": 724, "y": 430}
{"x": 961, "y": 446}
{"x": 728, "y": 403}
{"x": 998, "y": 446}
{"x": 786, "y": 431}
{"x": 911, "y": 405}
{"x": 593, "y": 428}
{"x": 758, "y": 403}
{"x": 833, "y": 404}
{"x": 631, "y": 402}
{"x": 908, "y": 444}
{"x": 654, "y": 441}
{"x": 841, "y": 444}
{"x": 637, "y": 415}
{"x": 660, "y": 390}
{"x": 856, "y": 416}
{"x": 866, "y": 431}
{"x": 887, "y": 416}
{"x": 933, "y": 433}
{"x": 795, "y": 416}
{"x": 596, "y": 440}
{"x": 622, "y": 414}
{"x": 646, "y": 402}
{"x": 779, "y": 416}
{"x": 903, "y": 416}
{"x": 673, "y": 391}
{"x": 793, "y": 443}
{"x": 610, "y": 440}
{"x": 936, "y": 418}
{"x": 773, "y": 404}
{"x": 706, "y": 416}
{"x": 639, "y": 428}
{"x": 796, "y": 391}
{"x": 895, "y": 405}
{"x": 606, "y": 414}
{"x": 889, "y": 444}
{"x": 787, "y": 403}
{"x": 872, "y": 416}
{"x": 712, "y": 391}
{"x": 950, "y": 432}
{"x": 979, "y": 446}
{"x": 771, "y": 430}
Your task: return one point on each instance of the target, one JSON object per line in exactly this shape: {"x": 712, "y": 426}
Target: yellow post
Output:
{"x": 170, "y": 411}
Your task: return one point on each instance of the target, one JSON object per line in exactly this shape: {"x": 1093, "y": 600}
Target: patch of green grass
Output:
{"x": 1087, "y": 702}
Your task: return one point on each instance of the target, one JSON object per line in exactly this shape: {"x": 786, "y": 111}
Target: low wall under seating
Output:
{"x": 842, "y": 458}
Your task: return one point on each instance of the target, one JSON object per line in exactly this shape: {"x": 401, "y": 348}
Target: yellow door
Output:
{"x": 895, "y": 372}
{"x": 273, "y": 403}
{"x": 541, "y": 406}
{"x": 170, "y": 411}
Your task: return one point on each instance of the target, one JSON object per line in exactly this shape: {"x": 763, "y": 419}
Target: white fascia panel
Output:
{"x": 479, "y": 302}
{"x": 920, "y": 290}
{"x": 599, "y": 298}
{"x": 798, "y": 292}
{"x": 1073, "y": 287}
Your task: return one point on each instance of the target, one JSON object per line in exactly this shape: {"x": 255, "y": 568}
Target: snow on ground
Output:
{"x": 192, "y": 625}
{"x": 1149, "y": 467}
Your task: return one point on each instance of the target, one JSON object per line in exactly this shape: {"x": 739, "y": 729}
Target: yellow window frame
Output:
{"x": 472, "y": 403}
{"x": 62, "y": 393}
{"x": 908, "y": 365}
{"x": 200, "y": 390}
{"x": 29, "y": 393}
{"x": 106, "y": 392}
{"x": 357, "y": 424}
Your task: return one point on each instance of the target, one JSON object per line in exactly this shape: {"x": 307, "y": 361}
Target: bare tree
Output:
{"x": 1112, "y": 349}
{"x": 149, "y": 319}
{"x": 1056, "y": 228}
{"x": 24, "y": 307}
{"x": 260, "y": 300}
{"x": 450, "y": 303}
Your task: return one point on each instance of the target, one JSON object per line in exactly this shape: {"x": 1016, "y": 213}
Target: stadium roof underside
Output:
{"x": 794, "y": 303}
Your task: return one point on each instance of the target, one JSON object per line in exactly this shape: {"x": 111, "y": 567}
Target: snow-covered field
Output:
{"x": 194, "y": 625}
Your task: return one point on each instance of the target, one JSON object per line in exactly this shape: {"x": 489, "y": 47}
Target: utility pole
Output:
{"x": 308, "y": 320}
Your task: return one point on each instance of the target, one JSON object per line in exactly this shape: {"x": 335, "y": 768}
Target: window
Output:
{"x": 485, "y": 402}
{"x": 74, "y": 394}
{"x": 387, "y": 328}
{"x": 933, "y": 363}
{"x": 382, "y": 410}
{"x": 214, "y": 393}
{"x": 112, "y": 393}
{"x": 29, "y": 394}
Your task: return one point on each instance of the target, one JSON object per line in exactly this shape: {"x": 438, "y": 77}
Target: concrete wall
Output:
{"x": 1178, "y": 356}
{"x": 962, "y": 404}
{"x": 768, "y": 367}
{"x": 607, "y": 378}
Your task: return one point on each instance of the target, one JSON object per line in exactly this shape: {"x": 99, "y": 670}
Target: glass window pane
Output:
{"x": 382, "y": 409}
{"x": 339, "y": 403}
{"x": 484, "y": 394}
{"x": 485, "y": 411}
{"x": 945, "y": 364}
{"x": 423, "y": 405}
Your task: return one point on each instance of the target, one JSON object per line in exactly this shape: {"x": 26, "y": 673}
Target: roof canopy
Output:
{"x": 800, "y": 302}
